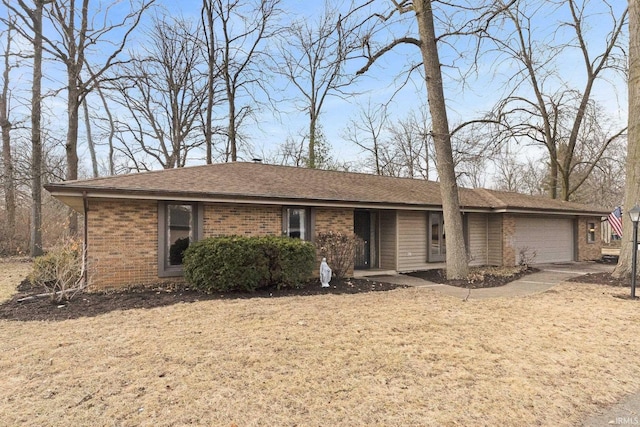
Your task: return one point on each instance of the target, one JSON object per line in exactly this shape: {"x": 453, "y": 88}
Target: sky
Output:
{"x": 380, "y": 85}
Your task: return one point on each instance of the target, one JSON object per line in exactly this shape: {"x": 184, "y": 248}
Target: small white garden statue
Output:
{"x": 325, "y": 273}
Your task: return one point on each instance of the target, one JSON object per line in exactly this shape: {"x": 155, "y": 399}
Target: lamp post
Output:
{"x": 635, "y": 217}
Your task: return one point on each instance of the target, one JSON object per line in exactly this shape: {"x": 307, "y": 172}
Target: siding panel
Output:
{"x": 412, "y": 240}
{"x": 494, "y": 239}
{"x": 478, "y": 247}
{"x": 388, "y": 247}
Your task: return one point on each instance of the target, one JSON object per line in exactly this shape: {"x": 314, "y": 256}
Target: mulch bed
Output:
{"x": 602, "y": 279}
{"x": 96, "y": 303}
{"x": 487, "y": 280}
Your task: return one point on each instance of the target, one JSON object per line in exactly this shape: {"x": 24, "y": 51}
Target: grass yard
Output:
{"x": 403, "y": 357}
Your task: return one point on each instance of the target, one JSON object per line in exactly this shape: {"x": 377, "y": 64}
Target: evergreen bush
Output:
{"x": 227, "y": 263}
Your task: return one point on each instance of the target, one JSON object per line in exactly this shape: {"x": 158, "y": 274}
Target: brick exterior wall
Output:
{"x": 123, "y": 235}
{"x": 122, "y": 241}
{"x": 242, "y": 220}
{"x": 589, "y": 251}
{"x": 508, "y": 240}
{"x": 334, "y": 219}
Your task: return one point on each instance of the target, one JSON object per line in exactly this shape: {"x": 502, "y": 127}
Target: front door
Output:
{"x": 362, "y": 229}
{"x": 437, "y": 238}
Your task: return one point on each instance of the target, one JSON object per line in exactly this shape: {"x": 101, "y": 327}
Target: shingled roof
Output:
{"x": 257, "y": 182}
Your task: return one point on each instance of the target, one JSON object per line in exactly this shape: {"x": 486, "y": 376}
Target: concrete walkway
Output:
{"x": 548, "y": 276}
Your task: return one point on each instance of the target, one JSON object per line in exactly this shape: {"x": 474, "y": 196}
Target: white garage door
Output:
{"x": 550, "y": 238}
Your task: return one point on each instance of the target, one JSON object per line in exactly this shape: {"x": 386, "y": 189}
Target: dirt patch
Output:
{"x": 479, "y": 277}
{"x": 91, "y": 304}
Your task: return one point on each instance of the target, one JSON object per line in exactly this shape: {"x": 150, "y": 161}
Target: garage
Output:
{"x": 550, "y": 238}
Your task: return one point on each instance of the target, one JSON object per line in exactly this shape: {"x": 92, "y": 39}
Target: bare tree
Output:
{"x": 366, "y": 131}
{"x": 244, "y": 28}
{"x": 314, "y": 53}
{"x": 632, "y": 187}
{"x": 410, "y": 143}
{"x": 456, "y": 256}
{"x": 90, "y": 142}
{"x": 32, "y": 18}
{"x": 5, "y": 125}
{"x": 163, "y": 87}
{"x": 213, "y": 76}
{"x": 604, "y": 186}
{"x": 111, "y": 129}
{"x": 77, "y": 34}
{"x": 542, "y": 107}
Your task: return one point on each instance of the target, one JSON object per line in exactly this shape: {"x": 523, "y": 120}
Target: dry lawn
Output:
{"x": 12, "y": 272}
{"x": 404, "y": 357}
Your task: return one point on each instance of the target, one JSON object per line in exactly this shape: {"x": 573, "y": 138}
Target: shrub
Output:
{"x": 61, "y": 270}
{"x": 247, "y": 263}
{"x": 223, "y": 264}
{"x": 290, "y": 261}
{"x": 527, "y": 256}
{"x": 339, "y": 249}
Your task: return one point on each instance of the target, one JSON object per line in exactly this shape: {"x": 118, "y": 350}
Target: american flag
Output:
{"x": 615, "y": 219}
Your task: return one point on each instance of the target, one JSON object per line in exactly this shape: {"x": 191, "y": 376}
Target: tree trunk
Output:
{"x": 35, "y": 241}
{"x": 211, "y": 66}
{"x": 90, "y": 143}
{"x": 456, "y": 257}
{"x": 632, "y": 187}
{"x": 5, "y": 124}
{"x": 233, "y": 151}
{"x": 112, "y": 131}
{"x": 71, "y": 145}
{"x": 311, "y": 162}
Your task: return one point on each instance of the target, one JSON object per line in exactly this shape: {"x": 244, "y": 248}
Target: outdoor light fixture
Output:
{"x": 634, "y": 214}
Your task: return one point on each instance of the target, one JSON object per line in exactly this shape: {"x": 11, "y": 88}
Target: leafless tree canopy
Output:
{"x": 163, "y": 88}
{"x": 546, "y": 108}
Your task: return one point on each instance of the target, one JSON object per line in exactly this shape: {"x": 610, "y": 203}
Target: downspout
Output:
{"x": 85, "y": 204}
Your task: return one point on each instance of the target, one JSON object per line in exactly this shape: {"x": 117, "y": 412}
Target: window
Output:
{"x": 178, "y": 226}
{"x": 591, "y": 232}
{"x": 296, "y": 223}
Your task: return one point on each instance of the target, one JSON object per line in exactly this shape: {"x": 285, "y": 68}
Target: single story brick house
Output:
{"x": 135, "y": 222}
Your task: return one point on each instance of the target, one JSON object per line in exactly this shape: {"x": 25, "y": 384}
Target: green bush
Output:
{"x": 290, "y": 261}
{"x": 247, "y": 263}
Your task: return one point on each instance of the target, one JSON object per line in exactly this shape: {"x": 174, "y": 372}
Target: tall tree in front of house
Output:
{"x": 427, "y": 43}
{"x": 632, "y": 188}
